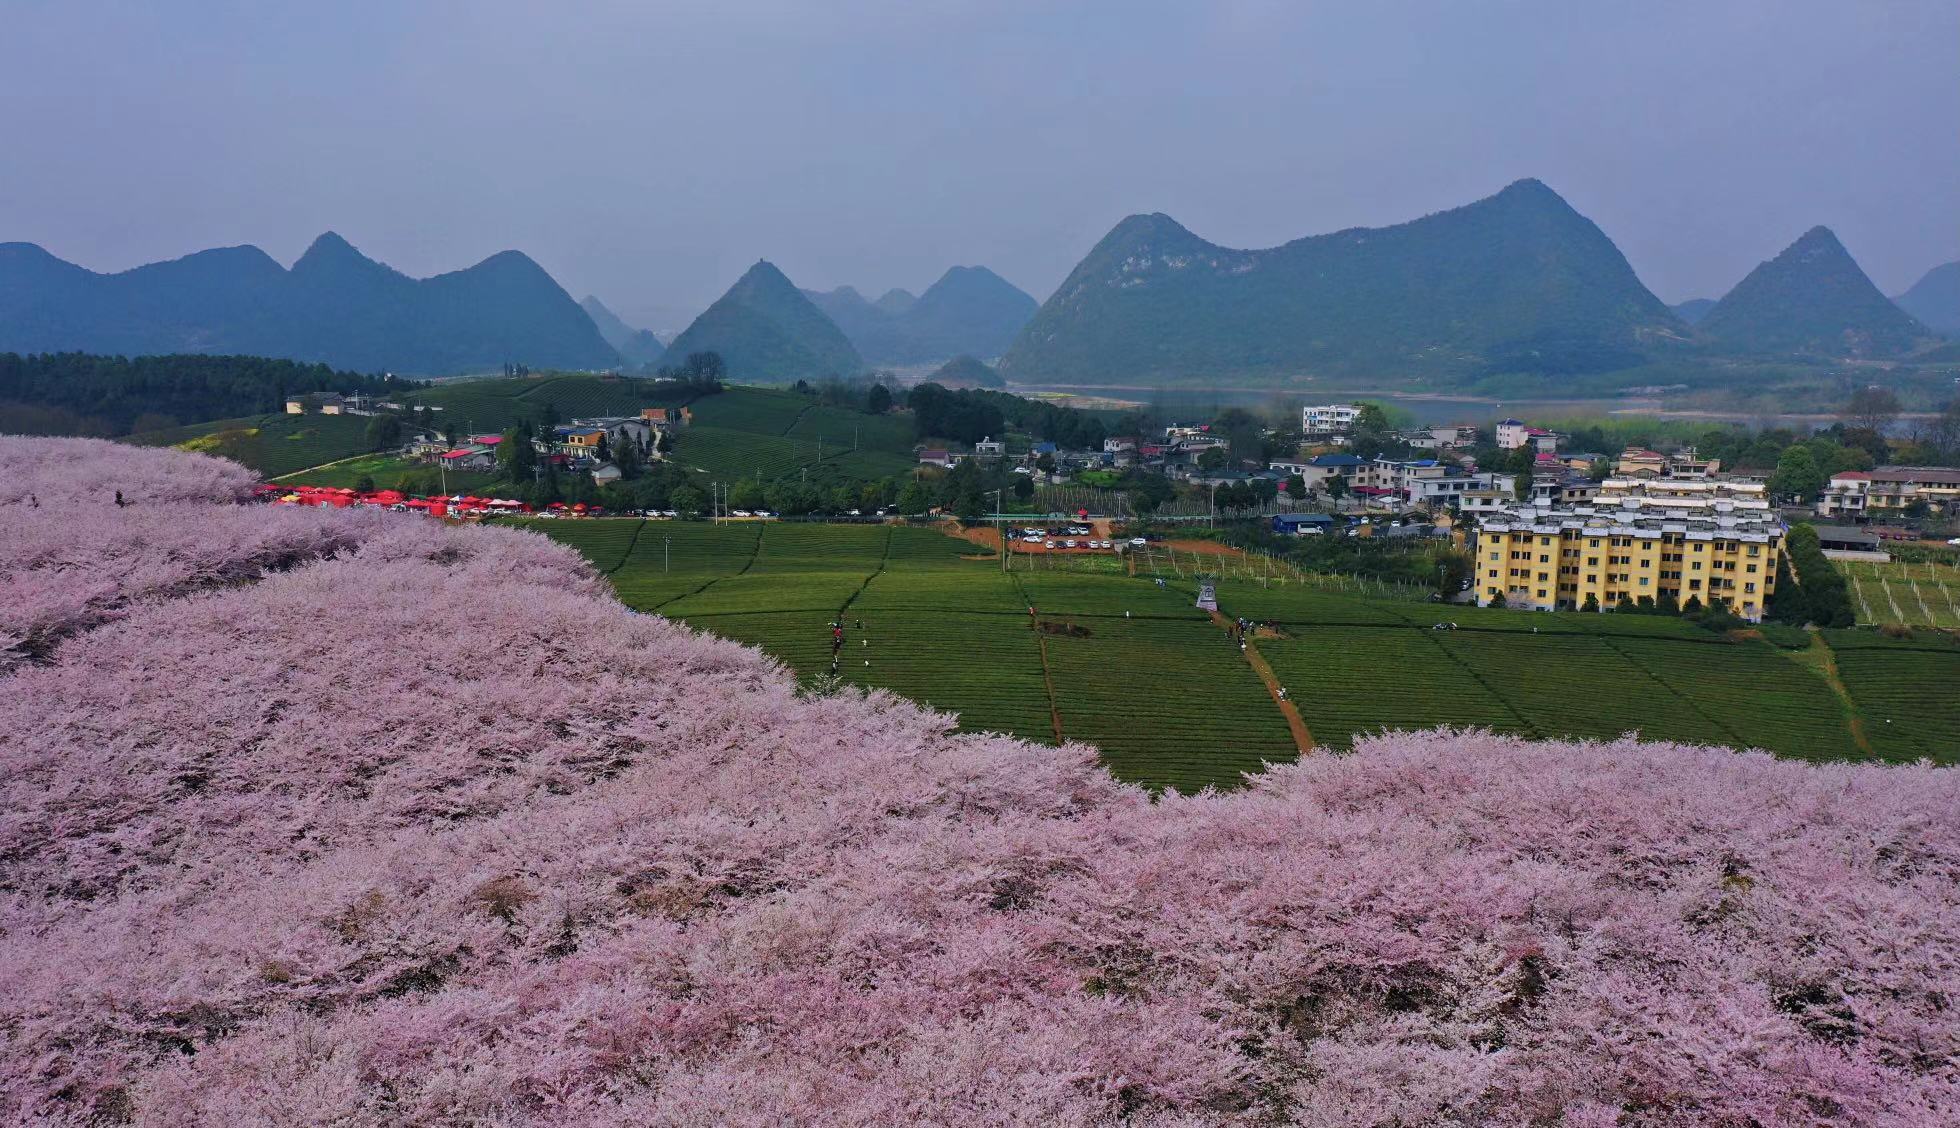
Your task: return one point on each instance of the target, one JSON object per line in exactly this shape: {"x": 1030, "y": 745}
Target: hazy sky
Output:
{"x": 648, "y": 152}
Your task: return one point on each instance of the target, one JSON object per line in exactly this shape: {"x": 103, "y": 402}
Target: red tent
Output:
{"x": 579, "y": 508}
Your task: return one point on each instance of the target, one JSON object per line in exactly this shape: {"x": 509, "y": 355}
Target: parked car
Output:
{"x": 1138, "y": 542}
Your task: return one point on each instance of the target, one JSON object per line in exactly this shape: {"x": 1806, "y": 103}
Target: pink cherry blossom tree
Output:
{"x": 378, "y": 821}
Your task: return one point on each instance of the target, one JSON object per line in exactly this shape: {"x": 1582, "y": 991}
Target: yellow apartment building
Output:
{"x": 1640, "y": 538}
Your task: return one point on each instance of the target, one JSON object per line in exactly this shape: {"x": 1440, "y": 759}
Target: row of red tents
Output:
{"x": 461, "y": 505}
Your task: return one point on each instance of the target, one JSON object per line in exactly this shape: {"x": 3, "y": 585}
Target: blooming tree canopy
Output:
{"x": 322, "y": 817}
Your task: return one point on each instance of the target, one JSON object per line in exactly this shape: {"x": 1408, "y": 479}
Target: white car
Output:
{"x": 743, "y": 513}
{"x": 1109, "y": 544}
{"x": 1953, "y": 541}
{"x": 1068, "y": 544}
{"x": 1032, "y": 538}
{"x": 1138, "y": 542}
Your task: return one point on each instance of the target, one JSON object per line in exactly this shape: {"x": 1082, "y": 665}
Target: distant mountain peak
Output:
{"x": 1812, "y": 298}
{"x": 330, "y": 252}
{"x": 896, "y": 300}
{"x": 1514, "y": 282}
{"x": 1935, "y": 299}
{"x": 1149, "y": 226}
{"x": 767, "y": 329}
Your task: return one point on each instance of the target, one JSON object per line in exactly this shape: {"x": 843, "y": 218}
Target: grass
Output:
{"x": 1160, "y": 690}
{"x": 273, "y": 445}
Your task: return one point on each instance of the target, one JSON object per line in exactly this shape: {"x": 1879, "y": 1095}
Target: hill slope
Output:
{"x": 314, "y": 899}
{"x": 1811, "y": 298}
{"x": 766, "y": 329}
{"x": 970, "y": 311}
{"x": 1518, "y": 278}
{"x": 335, "y": 306}
{"x": 1935, "y": 299}
{"x": 634, "y": 346}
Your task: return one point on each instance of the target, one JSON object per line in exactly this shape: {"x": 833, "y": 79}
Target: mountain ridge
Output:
{"x": 968, "y": 311}
{"x": 334, "y": 305}
{"x": 1515, "y": 281}
{"x": 634, "y": 346}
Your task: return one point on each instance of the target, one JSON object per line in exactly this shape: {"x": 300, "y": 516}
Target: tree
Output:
{"x": 706, "y": 366}
{"x": 747, "y": 494}
{"x": 384, "y": 432}
{"x": 1023, "y": 488}
{"x": 914, "y": 499}
{"x": 1871, "y": 408}
{"x": 1296, "y": 487}
{"x": 878, "y": 400}
{"x": 516, "y": 454}
{"x": 1211, "y": 458}
{"x": 627, "y": 458}
{"x": 364, "y": 484}
{"x": 1336, "y": 486}
{"x": 1045, "y": 462}
{"x": 1796, "y": 475}
{"x": 688, "y": 501}
{"x": 1591, "y": 604}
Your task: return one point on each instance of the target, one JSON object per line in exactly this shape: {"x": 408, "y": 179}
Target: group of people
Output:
{"x": 837, "y": 641}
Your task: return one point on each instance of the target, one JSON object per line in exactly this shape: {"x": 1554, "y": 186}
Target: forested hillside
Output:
{"x": 79, "y": 394}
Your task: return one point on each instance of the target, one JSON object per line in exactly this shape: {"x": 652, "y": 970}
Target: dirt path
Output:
{"x": 1054, "y": 710}
{"x": 1821, "y": 658}
{"x": 1302, "y": 739}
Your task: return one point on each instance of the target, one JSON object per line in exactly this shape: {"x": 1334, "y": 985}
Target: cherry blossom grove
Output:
{"x": 320, "y": 817}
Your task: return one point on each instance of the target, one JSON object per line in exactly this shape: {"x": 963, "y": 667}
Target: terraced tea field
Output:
{"x": 1915, "y": 595}
{"x": 1137, "y": 670}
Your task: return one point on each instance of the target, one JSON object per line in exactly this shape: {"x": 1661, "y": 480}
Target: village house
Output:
{"x": 469, "y": 458}
{"x": 664, "y": 417}
{"x": 989, "y": 449}
{"x": 331, "y": 404}
{"x": 934, "y": 456}
{"x": 1888, "y": 490}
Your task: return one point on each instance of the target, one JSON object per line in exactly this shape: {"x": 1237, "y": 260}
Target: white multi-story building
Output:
{"x": 1329, "y": 419}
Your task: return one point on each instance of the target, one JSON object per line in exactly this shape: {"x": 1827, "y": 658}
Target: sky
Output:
{"x": 650, "y": 152}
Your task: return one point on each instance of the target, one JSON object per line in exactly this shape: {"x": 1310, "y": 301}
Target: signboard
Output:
{"x": 1208, "y": 596}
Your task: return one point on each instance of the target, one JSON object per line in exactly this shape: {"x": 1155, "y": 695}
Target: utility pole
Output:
{"x": 1000, "y": 529}
{"x": 666, "y": 554}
